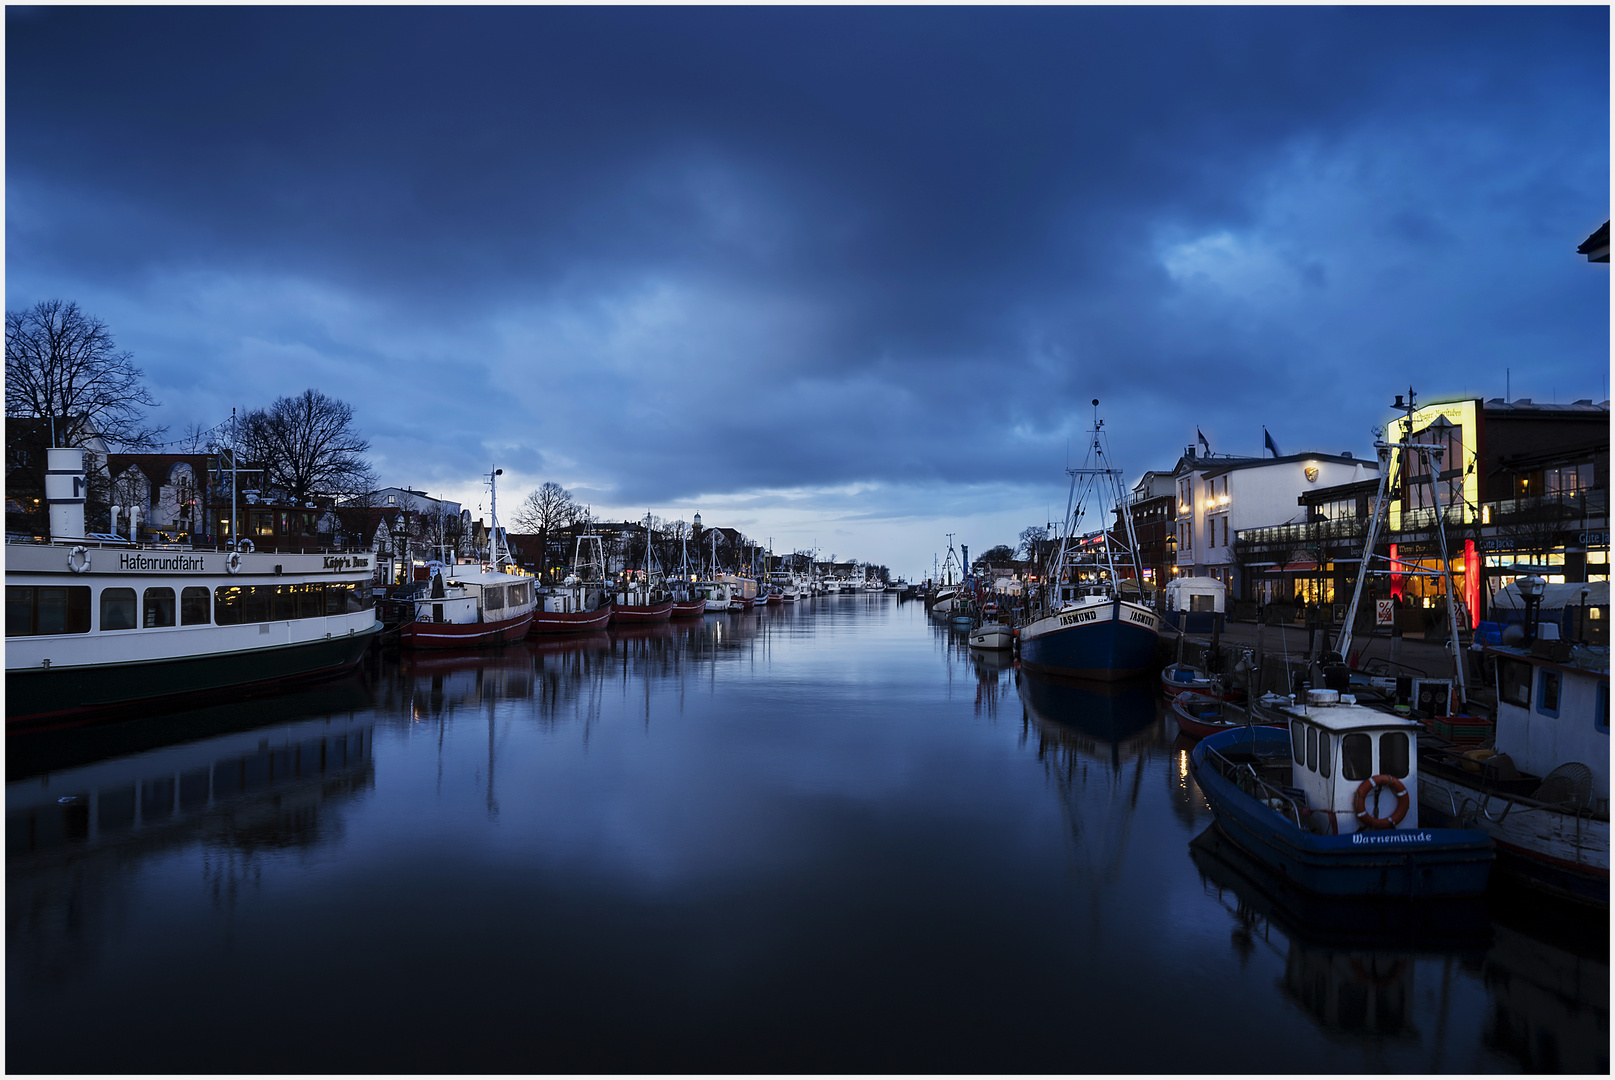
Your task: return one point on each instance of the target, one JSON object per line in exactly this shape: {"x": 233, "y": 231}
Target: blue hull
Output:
{"x": 1114, "y": 648}
{"x": 1407, "y": 863}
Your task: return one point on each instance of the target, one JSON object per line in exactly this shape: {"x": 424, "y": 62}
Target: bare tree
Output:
{"x": 1031, "y": 537}
{"x": 308, "y": 447}
{"x": 545, "y": 511}
{"x": 68, "y": 385}
{"x": 195, "y": 438}
{"x": 63, "y": 368}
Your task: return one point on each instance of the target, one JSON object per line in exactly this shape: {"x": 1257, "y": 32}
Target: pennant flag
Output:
{"x": 1270, "y": 444}
{"x": 1203, "y": 442}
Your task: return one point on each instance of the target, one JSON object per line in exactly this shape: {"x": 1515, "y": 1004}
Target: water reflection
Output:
{"x": 1111, "y": 720}
{"x": 776, "y": 839}
{"x": 1095, "y": 742}
{"x": 77, "y": 835}
{"x": 1355, "y": 969}
{"x": 993, "y": 668}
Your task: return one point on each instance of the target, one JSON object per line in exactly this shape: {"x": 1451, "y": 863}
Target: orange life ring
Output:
{"x": 1368, "y": 787}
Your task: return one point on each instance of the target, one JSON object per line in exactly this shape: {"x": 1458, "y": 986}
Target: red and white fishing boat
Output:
{"x": 653, "y": 612}
{"x": 471, "y": 605}
{"x": 579, "y": 604}
{"x": 742, "y": 591}
{"x": 1200, "y": 715}
{"x": 639, "y": 596}
{"x": 690, "y": 609}
{"x": 689, "y": 599}
{"x": 565, "y": 610}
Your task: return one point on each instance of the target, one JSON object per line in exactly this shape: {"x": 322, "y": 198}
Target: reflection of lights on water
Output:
{"x": 1183, "y": 764}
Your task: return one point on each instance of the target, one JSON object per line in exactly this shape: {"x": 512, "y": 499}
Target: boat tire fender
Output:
{"x": 1367, "y": 788}
{"x": 78, "y": 560}
{"x": 232, "y": 562}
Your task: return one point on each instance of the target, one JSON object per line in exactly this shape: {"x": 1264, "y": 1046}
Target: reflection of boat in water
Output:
{"x": 597, "y": 641}
{"x": 991, "y": 660}
{"x": 1094, "y": 742}
{"x": 1338, "y": 921}
{"x": 36, "y": 753}
{"x": 516, "y": 657}
{"x": 83, "y": 841}
{"x": 1351, "y": 966}
{"x": 990, "y": 668}
{"x": 168, "y": 787}
{"x": 1531, "y": 980}
{"x": 663, "y": 630}
{"x": 1111, "y": 711}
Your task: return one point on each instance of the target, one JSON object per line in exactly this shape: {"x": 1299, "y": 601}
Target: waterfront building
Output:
{"x": 1153, "y": 506}
{"x": 1219, "y": 496}
{"x": 1521, "y": 482}
{"x": 1524, "y": 482}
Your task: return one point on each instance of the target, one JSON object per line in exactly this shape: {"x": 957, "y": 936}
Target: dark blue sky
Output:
{"x": 848, "y": 275}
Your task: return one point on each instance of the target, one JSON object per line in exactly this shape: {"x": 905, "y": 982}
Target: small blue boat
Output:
{"x": 1332, "y": 804}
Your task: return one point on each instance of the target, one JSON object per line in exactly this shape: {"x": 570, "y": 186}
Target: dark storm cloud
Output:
{"x": 656, "y": 252}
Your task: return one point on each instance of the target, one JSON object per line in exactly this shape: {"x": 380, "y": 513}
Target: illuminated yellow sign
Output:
{"x": 1454, "y": 426}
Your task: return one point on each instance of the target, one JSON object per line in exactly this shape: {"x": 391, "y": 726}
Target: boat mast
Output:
{"x": 234, "y": 455}
{"x": 1343, "y": 642}
{"x": 1429, "y": 455}
{"x": 497, "y": 553}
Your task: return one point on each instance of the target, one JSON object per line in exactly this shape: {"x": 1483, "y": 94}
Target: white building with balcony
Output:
{"x": 1217, "y": 495}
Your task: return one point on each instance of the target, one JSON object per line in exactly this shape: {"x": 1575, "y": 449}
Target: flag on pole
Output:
{"x": 1270, "y": 444}
{"x": 1203, "y": 441}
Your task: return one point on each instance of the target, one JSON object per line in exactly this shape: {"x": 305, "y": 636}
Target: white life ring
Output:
{"x": 232, "y": 562}
{"x": 78, "y": 560}
{"x": 244, "y": 545}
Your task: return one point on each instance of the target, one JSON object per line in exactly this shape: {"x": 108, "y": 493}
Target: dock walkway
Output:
{"x": 1285, "y": 646}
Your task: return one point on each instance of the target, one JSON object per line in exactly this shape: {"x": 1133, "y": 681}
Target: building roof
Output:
{"x": 1584, "y": 407}
{"x": 1219, "y": 466}
{"x": 1596, "y": 246}
{"x": 1339, "y": 491}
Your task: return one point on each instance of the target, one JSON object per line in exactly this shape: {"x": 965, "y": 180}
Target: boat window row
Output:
{"x": 236, "y": 604}
{"x": 1312, "y": 748}
{"x": 33, "y": 610}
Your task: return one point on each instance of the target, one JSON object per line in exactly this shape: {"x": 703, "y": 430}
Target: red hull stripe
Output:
{"x": 569, "y": 622}
{"x": 429, "y": 635}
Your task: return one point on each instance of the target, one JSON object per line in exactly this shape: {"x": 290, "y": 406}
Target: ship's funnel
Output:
{"x": 65, "y": 487}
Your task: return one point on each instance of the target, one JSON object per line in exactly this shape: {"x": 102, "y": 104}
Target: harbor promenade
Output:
{"x": 1285, "y": 647}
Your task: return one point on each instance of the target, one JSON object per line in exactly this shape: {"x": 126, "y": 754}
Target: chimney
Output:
{"x": 65, "y": 486}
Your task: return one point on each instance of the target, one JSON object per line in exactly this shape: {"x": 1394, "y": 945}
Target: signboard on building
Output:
{"x": 1457, "y": 473}
{"x": 1384, "y": 612}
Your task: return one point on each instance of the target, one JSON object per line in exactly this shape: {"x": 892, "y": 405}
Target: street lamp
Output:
{"x": 1531, "y": 588}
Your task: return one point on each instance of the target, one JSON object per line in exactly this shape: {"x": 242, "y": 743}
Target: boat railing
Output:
{"x": 1289, "y": 803}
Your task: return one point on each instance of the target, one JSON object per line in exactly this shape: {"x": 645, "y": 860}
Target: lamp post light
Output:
{"x": 1531, "y": 587}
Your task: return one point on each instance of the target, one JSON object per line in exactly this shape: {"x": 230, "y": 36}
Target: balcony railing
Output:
{"x": 1503, "y": 514}
{"x": 1305, "y": 532}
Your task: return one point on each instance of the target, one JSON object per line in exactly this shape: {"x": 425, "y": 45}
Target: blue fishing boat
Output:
{"x": 1332, "y": 804}
{"x": 1083, "y": 622}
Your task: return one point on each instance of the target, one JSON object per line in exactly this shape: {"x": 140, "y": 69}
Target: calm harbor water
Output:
{"x": 817, "y": 838}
